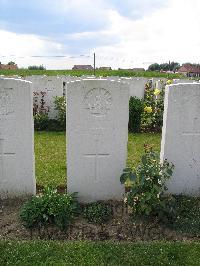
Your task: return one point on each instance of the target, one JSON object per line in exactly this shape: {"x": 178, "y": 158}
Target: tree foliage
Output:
{"x": 171, "y": 66}
{"x": 41, "y": 67}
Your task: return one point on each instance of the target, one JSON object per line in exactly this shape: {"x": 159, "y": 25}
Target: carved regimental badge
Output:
{"x": 98, "y": 101}
{"x": 6, "y": 102}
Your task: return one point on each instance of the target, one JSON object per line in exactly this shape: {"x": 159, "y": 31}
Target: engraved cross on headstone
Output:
{"x": 3, "y": 154}
{"x": 96, "y": 155}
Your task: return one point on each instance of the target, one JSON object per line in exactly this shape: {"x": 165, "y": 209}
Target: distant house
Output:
{"x": 125, "y": 69}
{"x": 138, "y": 69}
{"x": 8, "y": 66}
{"x": 190, "y": 70}
{"x": 105, "y": 68}
{"x": 82, "y": 67}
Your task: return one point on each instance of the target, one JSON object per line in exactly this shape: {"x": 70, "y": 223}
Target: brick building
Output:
{"x": 8, "y": 66}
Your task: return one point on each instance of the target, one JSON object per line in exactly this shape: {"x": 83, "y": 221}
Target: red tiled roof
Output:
{"x": 189, "y": 69}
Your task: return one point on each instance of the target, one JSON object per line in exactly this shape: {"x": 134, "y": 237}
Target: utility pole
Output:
{"x": 94, "y": 64}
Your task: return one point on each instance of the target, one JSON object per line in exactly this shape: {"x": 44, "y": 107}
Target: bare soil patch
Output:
{"x": 122, "y": 227}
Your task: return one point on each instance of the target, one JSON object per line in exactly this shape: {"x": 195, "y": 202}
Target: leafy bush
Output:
{"x": 55, "y": 125}
{"x": 41, "y": 121}
{"x": 41, "y": 67}
{"x": 60, "y": 106}
{"x": 97, "y": 213}
{"x": 146, "y": 196}
{"x": 136, "y": 107}
{"x": 49, "y": 208}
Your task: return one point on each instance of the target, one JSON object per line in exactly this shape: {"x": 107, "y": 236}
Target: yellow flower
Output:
{"x": 148, "y": 109}
{"x": 156, "y": 91}
{"x": 169, "y": 82}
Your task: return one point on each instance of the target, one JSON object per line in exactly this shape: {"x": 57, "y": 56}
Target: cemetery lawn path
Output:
{"x": 99, "y": 253}
{"x": 50, "y": 158}
{"x": 50, "y": 155}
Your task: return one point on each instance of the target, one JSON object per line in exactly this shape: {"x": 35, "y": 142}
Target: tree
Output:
{"x": 154, "y": 67}
{"x": 171, "y": 66}
{"x": 11, "y": 63}
{"x": 41, "y": 67}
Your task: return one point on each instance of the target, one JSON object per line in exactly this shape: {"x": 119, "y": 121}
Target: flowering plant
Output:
{"x": 152, "y": 118}
{"x": 146, "y": 195}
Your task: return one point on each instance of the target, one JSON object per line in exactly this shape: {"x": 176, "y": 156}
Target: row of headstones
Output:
{"x": 97, "y": 135}
{"x": 46, "y": 88}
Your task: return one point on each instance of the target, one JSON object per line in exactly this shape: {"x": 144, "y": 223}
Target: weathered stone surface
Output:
{"x": 178, "y": 81}
{"x": 45, "y": 89}
{"x": 17, "y": 177}
{"x": 137, "y": 87}
{"x": 181, "y": 137}
{"x": 97, "y": 135}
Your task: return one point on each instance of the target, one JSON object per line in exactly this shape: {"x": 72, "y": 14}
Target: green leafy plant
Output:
{"x": 97, "y": 213}
{"x": 136, "y": 107}
{"x": 41, "y": 121}
{"x": 152, "y": 117}
{"x": 50, "y": 208}
{"x": 60, "y": 106}
{"x": 146, "y": 196}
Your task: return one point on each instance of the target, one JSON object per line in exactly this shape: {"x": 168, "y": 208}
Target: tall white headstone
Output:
{"x": 97, "y": 135}
{"x": 17, "y": 177}
{"x": 178, "y": 81}
{"x": 181, "y": 137}
{"x": 137, "y": 87}
{"x": 45, "y": 89}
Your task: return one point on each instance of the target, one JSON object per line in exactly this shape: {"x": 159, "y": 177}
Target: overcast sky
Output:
{"x": 122, "y": 33}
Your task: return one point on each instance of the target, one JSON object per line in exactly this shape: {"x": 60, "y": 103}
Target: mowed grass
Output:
{"x": 99, "y": 253}
{"x": 121, "y": 73}
{"x": 136, "y": 144}
{"x": 50, "y": 158}
{"x": 50, "y": 155}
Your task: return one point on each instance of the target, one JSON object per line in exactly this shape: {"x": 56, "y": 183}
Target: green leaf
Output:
{"x": 127, "y": 170}
{"x": 144, "y": 159}
{"x": 124, "y": 177}
{"x": 132, "y": 176}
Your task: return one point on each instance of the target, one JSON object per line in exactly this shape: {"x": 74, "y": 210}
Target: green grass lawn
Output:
{"x": 50, "y": 155}
{"x": 50, "y": 158}
{"x": 121, "y": 73}
{"x": 99, "y": 253}
{"x": 50, "y": 149}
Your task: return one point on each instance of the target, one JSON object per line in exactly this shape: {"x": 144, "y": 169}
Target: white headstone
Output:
{"x": 137, "y": 87}
{"x": 157, "y": 82}
{"x": 178, "y": 81}
{"x": 159, "y": 85}
{"x": 181, "y": 137}
{"x": 97, "y": 135}
{"x": 17, "y": 177}
{"x": 67, "y": 79}
{"x": 46, "y": 88}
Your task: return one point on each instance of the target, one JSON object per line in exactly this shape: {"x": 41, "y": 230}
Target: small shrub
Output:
{"x": 152, "y": 117}
{"x": 49, "y": 208}
{"x": 60, "y": 106}
{"x": 41, "y": 121}
{"x": 54, "y": 125}
{"x": 97, "y": 213}
{"x": 146, "y": 196}
{"x": 136, "y": 107}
